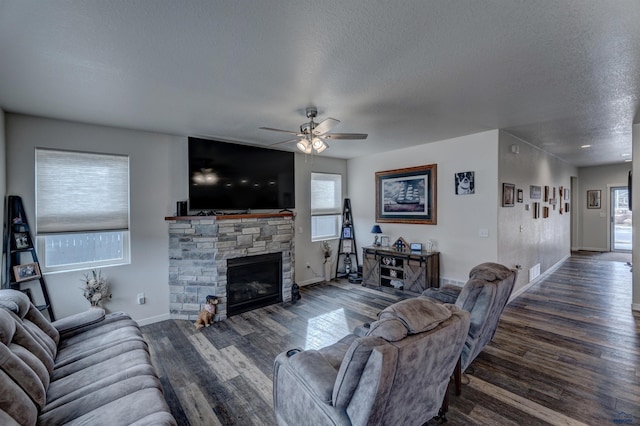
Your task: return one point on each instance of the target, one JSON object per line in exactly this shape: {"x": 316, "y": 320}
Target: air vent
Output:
{"x": 534, "y": 272}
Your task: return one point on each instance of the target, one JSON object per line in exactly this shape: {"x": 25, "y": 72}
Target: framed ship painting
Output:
{"x": 407, "y": 195}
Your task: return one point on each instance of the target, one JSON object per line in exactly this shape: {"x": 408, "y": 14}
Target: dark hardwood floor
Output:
{"x": 567, "y": 352}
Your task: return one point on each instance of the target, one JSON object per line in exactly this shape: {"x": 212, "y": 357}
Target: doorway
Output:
{"x": 620, "y": 219}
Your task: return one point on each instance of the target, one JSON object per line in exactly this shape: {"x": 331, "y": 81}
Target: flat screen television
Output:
{"x": 226, "y": 176}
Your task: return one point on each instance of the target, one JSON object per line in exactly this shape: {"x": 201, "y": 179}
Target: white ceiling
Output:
{"x": 558, "y": 74}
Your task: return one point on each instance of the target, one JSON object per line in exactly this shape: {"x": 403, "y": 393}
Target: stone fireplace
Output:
{"x": 206, "y": 253}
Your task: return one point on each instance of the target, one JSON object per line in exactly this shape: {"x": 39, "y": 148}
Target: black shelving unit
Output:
{"x": 345, "y": 266}
{"x": 20, "y": 257}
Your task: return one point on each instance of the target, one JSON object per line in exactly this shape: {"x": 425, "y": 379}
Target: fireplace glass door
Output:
{"x": 253, "y": 282}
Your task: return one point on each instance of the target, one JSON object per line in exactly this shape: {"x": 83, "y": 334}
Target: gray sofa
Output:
{"x": 89, "y": 368}
{"x": 397, "y": 374}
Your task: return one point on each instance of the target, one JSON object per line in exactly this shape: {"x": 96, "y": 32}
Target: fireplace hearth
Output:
{"x": 253, "y": 282}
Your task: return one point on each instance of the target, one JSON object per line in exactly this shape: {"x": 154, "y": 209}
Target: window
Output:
{"x": 82, "y": 209}
{"x": 326, "y": 196}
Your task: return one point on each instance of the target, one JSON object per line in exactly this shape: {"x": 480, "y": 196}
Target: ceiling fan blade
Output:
{"x": 287, "y": 141}
{"x": 325, "y": 125}
{"x": 280, "y": 130}
{"x": 346, "y": 136}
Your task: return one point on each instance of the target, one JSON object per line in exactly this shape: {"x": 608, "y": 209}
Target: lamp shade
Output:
{"x": 376, "y": 229}
{"x": 304, "y": 146}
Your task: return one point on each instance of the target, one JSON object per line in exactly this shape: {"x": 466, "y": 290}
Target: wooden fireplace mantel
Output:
{"x": 231, "y": 216}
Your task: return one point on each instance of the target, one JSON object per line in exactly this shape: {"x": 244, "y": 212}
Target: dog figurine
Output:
{"x": 205, "y": 317}
{"x": 464, "y": 183}
{"x": 295, "y": 293}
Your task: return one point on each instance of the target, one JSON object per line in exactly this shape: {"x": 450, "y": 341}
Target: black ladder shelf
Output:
{"x": 347, "y": 244}
{"x": 21, "y": 260}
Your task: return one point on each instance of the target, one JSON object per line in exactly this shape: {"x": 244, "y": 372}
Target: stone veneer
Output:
{"x": 199, "y": 247}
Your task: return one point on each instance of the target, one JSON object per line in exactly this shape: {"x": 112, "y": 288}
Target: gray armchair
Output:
{"x": 397, "y": 374}
{"x": 484, "y": 296}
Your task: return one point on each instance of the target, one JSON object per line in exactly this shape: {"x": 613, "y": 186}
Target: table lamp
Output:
{"x": 376, "y": 230}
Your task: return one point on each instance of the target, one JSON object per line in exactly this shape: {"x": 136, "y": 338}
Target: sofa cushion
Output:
{"x": 390, "y": 329}
{"x": 15, "y": 403}
{"x": 10, "y": 305}
{"x": 121, "y": 403}
{"x": 490, "y": 271}
{"x": 18, "y": 363}
{"x": 417, "y": 315}
{"x": 32, "y": 317}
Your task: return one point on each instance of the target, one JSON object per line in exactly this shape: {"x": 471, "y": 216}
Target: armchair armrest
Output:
{"x": 446, "y": 294}
{"x": 316, "y": 372}
{"x": 80, "y": 320}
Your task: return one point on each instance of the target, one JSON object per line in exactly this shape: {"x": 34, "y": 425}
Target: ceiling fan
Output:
{"x": 312, "y": 135}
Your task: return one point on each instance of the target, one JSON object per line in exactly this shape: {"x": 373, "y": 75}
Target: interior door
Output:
{"x": 620, "y": 219}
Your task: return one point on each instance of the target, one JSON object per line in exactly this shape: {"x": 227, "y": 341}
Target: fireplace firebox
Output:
{"x": 253, "y": 282}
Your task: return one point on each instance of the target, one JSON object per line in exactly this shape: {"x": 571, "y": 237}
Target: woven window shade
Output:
{"x": 326, "y": 193}
{"x": 81, "y": 192}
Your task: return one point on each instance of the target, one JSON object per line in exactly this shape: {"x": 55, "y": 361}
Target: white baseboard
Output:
{"x": 542, "y": 276}
{"x": 151, "y": 320}
{"x": 310, "y": 281}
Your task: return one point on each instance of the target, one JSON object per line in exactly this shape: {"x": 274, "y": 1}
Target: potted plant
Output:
{"x": 95, "y": 287}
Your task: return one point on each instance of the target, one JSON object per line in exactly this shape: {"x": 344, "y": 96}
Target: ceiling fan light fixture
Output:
{"x": 304, "y": 146}
{"x": 311, "y": 138}
{"x": 322, "y": 147}
{"x": 317, "y": 143}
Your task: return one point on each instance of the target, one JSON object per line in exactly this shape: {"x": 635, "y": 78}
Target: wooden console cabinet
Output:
{"x": 407, "y": 271}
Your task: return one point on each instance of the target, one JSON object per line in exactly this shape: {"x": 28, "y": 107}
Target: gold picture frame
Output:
{"x": 407, "y": 195}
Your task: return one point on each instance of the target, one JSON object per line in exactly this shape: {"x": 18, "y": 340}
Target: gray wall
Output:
{"x": 593, "y": 224}
{"x": 460, "y": 217}
{"x": 153, "y": 171}
{"x": 308, "y": 252}
{"x": 522, "y": 239}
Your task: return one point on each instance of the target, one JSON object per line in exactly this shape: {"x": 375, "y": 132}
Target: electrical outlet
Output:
{"x": 141, "y": 299}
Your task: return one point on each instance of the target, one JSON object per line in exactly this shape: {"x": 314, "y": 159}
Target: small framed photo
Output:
{"x": 21, "y": 240}
{"x": 415, "y": 246}
{"x": 535, "y": 192}
{"x": 465, "y": 183}
{"x": 520, "y": 196}
{"x": 346, "y": 232}
{"x": 347, "y": 247}
{"x": 508, "y": 194}
{"x": 28, "y": 271}
{"x": 593, "y": 198}
{"x": 384, "y": 241}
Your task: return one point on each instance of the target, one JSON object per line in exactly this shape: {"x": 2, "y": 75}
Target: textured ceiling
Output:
{"x": 556, "y": 74}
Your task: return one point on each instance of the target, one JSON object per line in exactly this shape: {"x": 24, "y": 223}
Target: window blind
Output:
{"x": 326, "y": 193}
{"x": 80, "y": 192}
